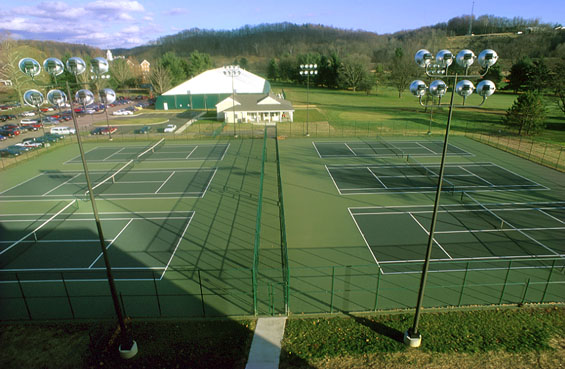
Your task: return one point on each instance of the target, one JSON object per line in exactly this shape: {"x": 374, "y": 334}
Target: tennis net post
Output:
{"x": 112, "y": 177}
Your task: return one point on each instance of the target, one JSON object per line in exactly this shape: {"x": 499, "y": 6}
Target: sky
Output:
{"x": 109, "y": 24}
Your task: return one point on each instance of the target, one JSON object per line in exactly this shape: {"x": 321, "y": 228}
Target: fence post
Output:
{"x": 463, "y": 284}
{"x": 544, "y": 152}
{"x": 525, "y": 291}
{"x": 548, "y": 281}
{"x": 505, "y": 281}
{"x": 201, "y": 294}
{"x": 558, "y": 158}
{"x": 157, "y": 294}
{"x": 332, "y": 291}
{"x": 377, "y": 290}
{"x": 531, "y": 149}
{"x": 23, "y": 296}
{"x": 67, "y": 293}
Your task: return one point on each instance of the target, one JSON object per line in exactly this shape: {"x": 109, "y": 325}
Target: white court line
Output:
{"x": 190, "y": 153}
{"x": 225, "y": 151}
{"x": 428, "y": 233}
{"x": 207, "y": 186}
{"x": 166, "y": 180}
{"x": 479, "y": 177}
{"x": 366, "y": 243}
{"x": 377, "y": 177}
{"x": 333, "y": 180}
{"x": 108, "y": 157}
{"x": 89, "y": 151}
{"x": 521, "y": 176}
{"x": 427, "y": 148}
{"x": 551, "y": 216}
{"x": 354, "y": 154}
{"x": 502, "y": 230}
{"x": 316, "y": 148}
{"x": 21, "y": 183}
{"x": 111, "y": 243}
{"x": 177, "y": 245}
{"x": 61, "y": 241}
{"x": 62, "y": 184}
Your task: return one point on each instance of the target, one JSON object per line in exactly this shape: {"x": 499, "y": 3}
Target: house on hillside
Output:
{"x": 254, "y": 108}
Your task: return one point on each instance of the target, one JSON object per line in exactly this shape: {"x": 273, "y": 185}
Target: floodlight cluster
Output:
{"x": 443, "y": 59}
{"x": 308, "y": 69}
{"x": 55, "y": 67}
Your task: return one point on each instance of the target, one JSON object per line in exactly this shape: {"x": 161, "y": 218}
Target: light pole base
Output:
{"x": 128, "y": 354}
{"x": 412, "y": 340}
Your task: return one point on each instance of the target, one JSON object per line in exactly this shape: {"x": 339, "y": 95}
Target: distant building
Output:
{"x": 254, "y": 108}
{"x": 109, "y": 56}
{"x": 145, "y": 67}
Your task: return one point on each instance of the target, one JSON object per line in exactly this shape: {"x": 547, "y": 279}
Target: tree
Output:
{"x": 527, "y": 114}
{"x": 273, "y": 70}
{"x": 494, "y": 74}
{"x": 402, "y": 71}
{"x": 558, "y": 84}
{"x": 160, "y": 79}
{"x": 120, "y": 71}
{"x": 199, "y": 62}
{"x": 538, "y": 76}
{"x": 354, "y": 73}
{"x": 176, "y": 66}
{"x": 519, "y": 73}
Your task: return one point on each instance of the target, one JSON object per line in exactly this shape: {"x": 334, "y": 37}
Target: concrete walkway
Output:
{"x": 266, "y": 345}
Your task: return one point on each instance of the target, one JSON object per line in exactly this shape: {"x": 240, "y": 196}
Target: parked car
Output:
{"x": 30, "y": 144}
{"x": 28, "y": 114}
{"x": 63, "y": 130}
{"x": 143, "y": 130}
{"x": 3, "y": 138}
{"x": 31, "y": 126}
{"x": 122, "y": 112}
{"x": 8, "y": 151}
{"x": 43, "y": 141}
{"x": 170, "y": 128}
{"x": 103, "y": 130}
{"x": 9, "y": 131}
{"x": 29, "y": 121}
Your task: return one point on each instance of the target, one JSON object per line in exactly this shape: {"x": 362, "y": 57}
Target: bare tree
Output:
{"x": 160, "y": 79}
{"x": 10, "y": 55}
{"x": 121, "y": 71}
{"x": 402, "y": 71}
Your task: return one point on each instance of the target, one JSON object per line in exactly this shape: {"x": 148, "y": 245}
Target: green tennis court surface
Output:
{"x": 385, "y": 148}
{"x": 67, "y": 241}
{"x": 127, "y": 184}
{"x": 162, "y": 152}
{"x": 382, "y": 179}
{"x": 464, "y": 232}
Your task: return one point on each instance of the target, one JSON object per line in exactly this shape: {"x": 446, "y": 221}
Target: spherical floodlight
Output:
{"x": 29, "y": 66}
{"x": 438, "y": 88}
{"x": 99, "y": 66}
{"x": 53, "y": 66}
{"x": 33, "y": 98}
{"x": 108, "y": 95}
{"x": 486, "y": 88}
{"x": 423, "y": 57}
{"x": 418, "y": 88}
{"x": 57, "y": 98}
{"x": 76, "y": 65}
{"x": 488, "y": 58}
{"x": 84, "y": 97}
{"x": 464, "y": 88}
{"x": 465, "y": 58}
{"x": 444, "y": 58}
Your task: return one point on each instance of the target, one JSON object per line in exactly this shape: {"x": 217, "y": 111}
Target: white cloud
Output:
{"x": 104, "y": 5}
{"x": 176, "y": 11}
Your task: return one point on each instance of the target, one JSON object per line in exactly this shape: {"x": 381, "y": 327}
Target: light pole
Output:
{"x": 29, "y": 66}
{"x": 99, "y": 67}
{"x": 308, "y": 70}
{"x": 438, "y": 88}
{"x": 232, "y": 71}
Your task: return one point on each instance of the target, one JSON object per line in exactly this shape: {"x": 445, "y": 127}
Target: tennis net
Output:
{"x": 395, "y": 150}
{"x": 152, "y": 149}
{"x": 113, "y": 176}
{"x": 33, "y": 235}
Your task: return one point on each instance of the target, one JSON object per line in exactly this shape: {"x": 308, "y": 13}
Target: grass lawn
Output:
{"x": 494, "y": 338}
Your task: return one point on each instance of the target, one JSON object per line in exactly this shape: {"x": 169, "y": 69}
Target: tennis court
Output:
{"x": 123, "y": 183}
{"x": 402, "y": 178}
{"x": 158, "y": 152}
{"x": 471, "y": 231}
{"x": 39, "y": 245}
{"x": 384, "y": 148}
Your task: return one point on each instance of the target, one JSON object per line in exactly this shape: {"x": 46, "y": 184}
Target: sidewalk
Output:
{"x": 266, "y": 345}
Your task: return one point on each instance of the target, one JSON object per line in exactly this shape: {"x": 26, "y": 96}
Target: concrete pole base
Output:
{"x": 415, "y": 341}
{"x": 128, "y": 354}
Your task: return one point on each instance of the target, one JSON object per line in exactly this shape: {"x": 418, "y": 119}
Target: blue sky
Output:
{"x": 121, "y": 23}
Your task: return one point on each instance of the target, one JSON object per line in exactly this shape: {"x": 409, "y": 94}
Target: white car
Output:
{"x": 28, "y": 114}
{"x": 122, "y": 112}
{"x": 30, "y": 144}
{"x": 63, "y": 130}
{"x": 170, "y": 128}
{"x": 29, "y": 121}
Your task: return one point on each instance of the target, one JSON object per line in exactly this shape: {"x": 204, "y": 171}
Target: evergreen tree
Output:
{"x": 519, "y": 73}
{"x": 527, "y": 114}
{"x": 273, "y": 70}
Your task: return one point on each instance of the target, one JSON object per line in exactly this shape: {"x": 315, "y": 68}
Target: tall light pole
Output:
{"x": 29, "y": 66}
{"x": 232, "y": 71}
{"x": 438, "y": 88}
{"x": 308, "y": 70}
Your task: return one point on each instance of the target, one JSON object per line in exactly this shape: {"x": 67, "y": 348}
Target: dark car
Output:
{"x": 53, "y": 137}
{"x": 9, "y": 151}
{"x": 3, "y": 138}
{"x": 36, "y": 140}
{"x": 143, "y": 130}
{"x": 8, "y": 132}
